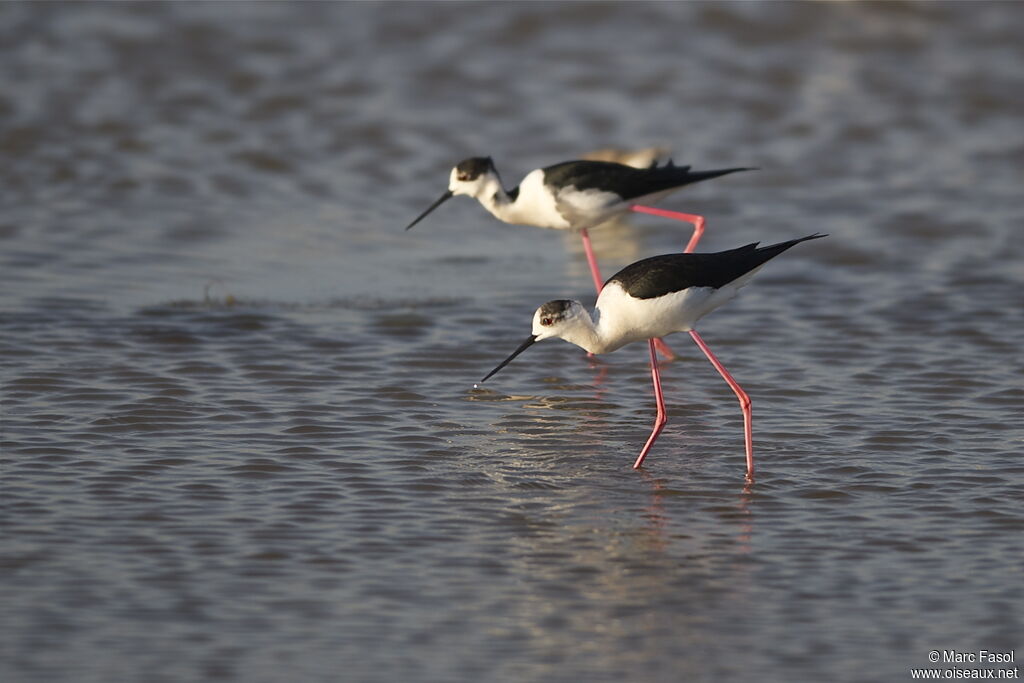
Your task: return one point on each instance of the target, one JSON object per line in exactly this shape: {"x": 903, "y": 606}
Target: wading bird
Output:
{"x": 576, "y": 195}
{"x": 652, "y": 298}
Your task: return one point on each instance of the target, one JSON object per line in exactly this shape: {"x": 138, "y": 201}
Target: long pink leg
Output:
{"x": 592, "y": 260}
{"x": 589, "y": 251}
{"x": 661, "y": 419}
{"x": 748, "y": 435}
{"x": 698, "y": 222}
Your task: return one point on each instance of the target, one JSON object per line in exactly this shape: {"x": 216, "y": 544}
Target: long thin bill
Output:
{"x": 445, "y": 197}
{"x": 522, "y": 347}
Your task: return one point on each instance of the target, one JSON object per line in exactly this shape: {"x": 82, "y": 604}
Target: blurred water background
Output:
{"x": 240, "y": 439}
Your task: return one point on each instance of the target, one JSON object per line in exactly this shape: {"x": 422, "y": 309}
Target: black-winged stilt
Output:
{"x": 576, "y": 195}
{"x": 652, "y": 298}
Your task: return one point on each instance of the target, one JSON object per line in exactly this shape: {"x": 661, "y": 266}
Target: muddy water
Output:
{"x": 240, "y": 438}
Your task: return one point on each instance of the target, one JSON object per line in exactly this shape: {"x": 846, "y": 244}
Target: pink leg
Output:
{"x": 589, "y": 250}
{"x": 698, "y": 222}
{"x": 661, "y": 419}
{"x": 592, "y": 260}
{"x": 664, "y": 349}
{"x": 748, "y": 437}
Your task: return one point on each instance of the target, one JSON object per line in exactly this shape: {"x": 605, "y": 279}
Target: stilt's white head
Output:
{"x": 475, "y": 177}
{"x": 559, "y": 318}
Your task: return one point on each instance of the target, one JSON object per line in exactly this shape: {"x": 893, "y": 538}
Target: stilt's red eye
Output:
{"x": 546, "y": 321}
{"x": 462, "y": 176}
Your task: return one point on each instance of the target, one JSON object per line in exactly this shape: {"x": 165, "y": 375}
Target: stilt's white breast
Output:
{"x": 535, "y": 205}
{"x": 625, "y": 319}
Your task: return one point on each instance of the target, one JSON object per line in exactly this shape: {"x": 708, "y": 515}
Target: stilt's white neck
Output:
{"x": 494, "y": 198}
{"x": 585, "y": 333}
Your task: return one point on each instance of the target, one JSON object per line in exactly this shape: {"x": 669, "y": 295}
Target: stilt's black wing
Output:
{"x": 626, "y": 181}
{"x": 660, "y": 275}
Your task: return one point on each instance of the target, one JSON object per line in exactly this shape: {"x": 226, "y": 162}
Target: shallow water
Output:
{"x": 240, "y": 438}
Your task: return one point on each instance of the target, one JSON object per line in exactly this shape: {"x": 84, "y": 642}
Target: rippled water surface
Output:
{"x": 240, "y": 438}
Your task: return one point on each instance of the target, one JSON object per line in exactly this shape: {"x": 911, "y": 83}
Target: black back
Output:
{"x": 626, "y": 181}
{"x": 660, "y": 275}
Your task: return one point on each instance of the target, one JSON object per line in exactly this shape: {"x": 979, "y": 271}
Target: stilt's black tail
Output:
{"x": 773, "y": 250}
{"x": 737, "y": 262}
{"x": 659, "y": 178}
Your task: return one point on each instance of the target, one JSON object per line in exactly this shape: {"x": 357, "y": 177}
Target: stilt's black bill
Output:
{"x": 522, "y": 347}
{"x": 445, "y": 197}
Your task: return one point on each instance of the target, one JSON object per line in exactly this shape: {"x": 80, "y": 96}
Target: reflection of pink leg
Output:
{"x": 698, "y": 222}
{"x": 661, "y": 419}
{"x": 748, "y": 437}
{"x": 589, "y": 250}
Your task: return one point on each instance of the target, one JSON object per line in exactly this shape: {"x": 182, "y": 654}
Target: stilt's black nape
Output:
{"x": 445, "y": 197}
{"x": 522, "y": 347}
